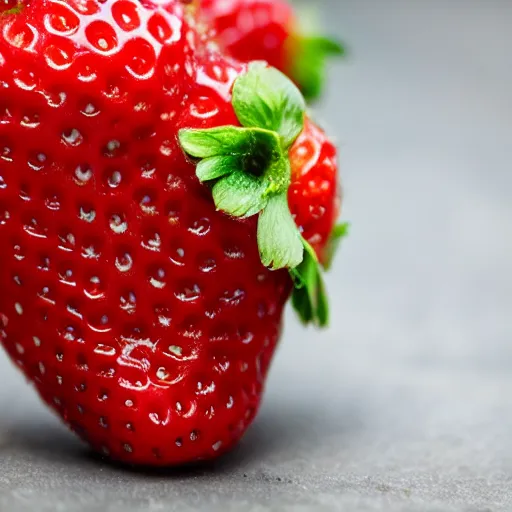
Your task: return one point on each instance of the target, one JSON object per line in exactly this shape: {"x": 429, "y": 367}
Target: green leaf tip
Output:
{"x": 339, "y": 232}
{"x": 309, "y": 298}
{"x": 308, "y": 62}
{"x": 249, "y": 171}
{"x": 279, "y": 239}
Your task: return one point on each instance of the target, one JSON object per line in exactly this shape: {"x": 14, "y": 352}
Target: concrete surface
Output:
{"x": 405, "y": 403}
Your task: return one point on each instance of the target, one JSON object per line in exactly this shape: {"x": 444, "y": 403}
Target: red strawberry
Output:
{"x": 314, "y": 195}
{"x": 269, "y": 30}
{"x": 143, "y": 315}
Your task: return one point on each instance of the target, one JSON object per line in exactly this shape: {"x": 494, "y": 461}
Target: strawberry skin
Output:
{"x": 314, "y": 195}
{"x": 269, "y": 30}
{"x": 143, "y": 316}
{"x": 252, "y": 29}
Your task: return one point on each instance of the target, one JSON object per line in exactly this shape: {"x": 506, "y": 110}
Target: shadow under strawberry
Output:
{"x": 280, "y": 430}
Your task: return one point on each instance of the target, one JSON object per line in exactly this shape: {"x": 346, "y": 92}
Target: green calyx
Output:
{"x": 249, "y": 170}
{"x": 308, "y": 59}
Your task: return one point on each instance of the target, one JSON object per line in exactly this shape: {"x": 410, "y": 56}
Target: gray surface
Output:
{"x": 405, "y": 404}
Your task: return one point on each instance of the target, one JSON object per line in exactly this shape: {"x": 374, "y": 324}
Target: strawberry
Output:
{"x": 314, "y": 196}
{"x": 148, "y": 190}
{"x": 269, "y": 30}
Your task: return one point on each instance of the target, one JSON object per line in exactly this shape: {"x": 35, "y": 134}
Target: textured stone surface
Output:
{"x": 404, "y": 404}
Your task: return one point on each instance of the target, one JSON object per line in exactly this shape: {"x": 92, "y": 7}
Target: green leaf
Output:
{"x": 339, "y": 232}
{"x": 221, "y": 141}
{"x": 309, "y": 297}
{"x": 240, "y": 194}
{"x": 302, "y": 305}
{"x": 322, "y": 303}
{"x": 325, "y": 46}
{"x": 216, "y": 167}
{"x": 309, "y": 62}
{"x": 265, "y": 98}
{"x": 279, "y": 239}
{"x": 278, "y": 177}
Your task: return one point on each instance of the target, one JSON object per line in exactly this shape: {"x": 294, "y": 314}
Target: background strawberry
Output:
{"x": 143, "y": 315}
{"x": 269, "y": 30}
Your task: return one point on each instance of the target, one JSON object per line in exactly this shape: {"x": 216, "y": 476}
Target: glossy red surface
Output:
{"x": 253, "y": 29}
{"x": 314, "y": 197}
{"x": 143, "y": 316}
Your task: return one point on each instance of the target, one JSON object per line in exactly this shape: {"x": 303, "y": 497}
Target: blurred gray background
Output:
{"x": 405, "y": 404}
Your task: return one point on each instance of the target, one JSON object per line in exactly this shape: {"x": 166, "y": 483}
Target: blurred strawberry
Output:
{"x": 269, "y": 30}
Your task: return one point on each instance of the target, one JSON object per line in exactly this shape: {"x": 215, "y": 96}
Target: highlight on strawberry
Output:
{"x": 159, "y": 205}
{"x": 270, "y": 30}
